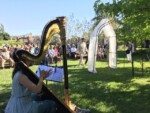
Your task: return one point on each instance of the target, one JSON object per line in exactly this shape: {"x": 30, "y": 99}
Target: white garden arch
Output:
{"x": 105, "y": 26}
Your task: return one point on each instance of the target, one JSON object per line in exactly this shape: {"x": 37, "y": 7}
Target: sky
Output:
{"x": 21, "y": 17}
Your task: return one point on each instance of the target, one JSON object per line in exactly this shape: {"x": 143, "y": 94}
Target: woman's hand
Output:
{"x": 44, "y": 74}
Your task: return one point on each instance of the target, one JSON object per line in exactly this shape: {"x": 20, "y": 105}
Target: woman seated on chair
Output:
{"x": 5, "y": 56}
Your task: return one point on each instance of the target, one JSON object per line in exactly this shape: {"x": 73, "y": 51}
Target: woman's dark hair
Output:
{"x": 18, "y": 64}
{"x": 16, "y": 68}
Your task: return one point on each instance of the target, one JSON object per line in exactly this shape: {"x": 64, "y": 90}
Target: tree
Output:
{"x": 4, "y": 36}
{"x": 76, "y": 28}
{"x": 1, "y": 36}
{"x": 1, "y": 28}
{"x": 132, "y": 16}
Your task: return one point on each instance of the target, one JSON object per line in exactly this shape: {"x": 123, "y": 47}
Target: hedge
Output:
{"x": 10, "y": 42}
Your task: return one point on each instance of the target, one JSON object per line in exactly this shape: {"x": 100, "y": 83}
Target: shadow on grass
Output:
{"x": 107, "y": 91}
{"x": 95, "y": 91}
{"x": 4, "y": 96}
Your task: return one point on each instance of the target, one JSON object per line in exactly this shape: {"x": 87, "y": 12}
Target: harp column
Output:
{"x": 63, "y": 41}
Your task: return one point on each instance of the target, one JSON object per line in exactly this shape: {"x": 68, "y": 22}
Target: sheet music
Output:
{"x": 56, "y": 75}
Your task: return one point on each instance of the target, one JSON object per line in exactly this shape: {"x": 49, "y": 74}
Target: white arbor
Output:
{"x": 105, "y": 26}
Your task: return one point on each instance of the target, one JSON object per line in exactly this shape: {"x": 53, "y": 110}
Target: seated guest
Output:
{"x": 55, "y": 51}
{"x": 73, "y": 51}
{"x": 37, "y": 49}
{"x": 51, "y": 53}
{"x": 55, "y": 48}
{"x": 68, "y": 51}
{"x": 5, "y": 56}
{"x": 32, "y": 49}
{"x": 100, "y": 52}
{"x": 46, "y": 60}
{"x": 11, "y": 50}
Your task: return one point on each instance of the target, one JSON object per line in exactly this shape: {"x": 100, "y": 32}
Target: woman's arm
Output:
{"x": 23, "y": 79}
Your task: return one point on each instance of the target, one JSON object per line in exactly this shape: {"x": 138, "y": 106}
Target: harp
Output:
{"x": 56, "y": 26}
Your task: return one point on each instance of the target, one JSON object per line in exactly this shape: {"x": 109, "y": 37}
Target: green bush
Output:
{"x": 10, "y": 42}
{"x": 4, "y": 36}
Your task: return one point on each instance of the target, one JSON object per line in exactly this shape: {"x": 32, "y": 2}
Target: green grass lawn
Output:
{"x": 107, "y": 91}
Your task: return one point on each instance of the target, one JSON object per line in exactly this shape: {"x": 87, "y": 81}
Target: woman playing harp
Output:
{"x": 25, "y": 82}
{"x": 24, "y": 91}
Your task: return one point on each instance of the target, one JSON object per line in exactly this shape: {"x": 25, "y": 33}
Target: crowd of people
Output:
{"x": 73, "y": 51}
{"x": 7, "y": 51}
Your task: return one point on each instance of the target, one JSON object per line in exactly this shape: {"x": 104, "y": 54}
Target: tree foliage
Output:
{"x": 1, "y": 28}
{"x": 4, "y": 36}
{"x": 76, "y": 28}
{"x": 132, "y": 16}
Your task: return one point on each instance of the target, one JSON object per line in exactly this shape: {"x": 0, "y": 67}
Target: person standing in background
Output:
{"x": 129, "y": 51}
{"x": 82, "y": 49}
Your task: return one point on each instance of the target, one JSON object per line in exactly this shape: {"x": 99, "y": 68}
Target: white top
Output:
{"x": 51, "y": 52}
{"x": 82, "y": 48}
{"x": 5, "y": 55}
{"x": 20, "y": 100}
{"x": 73, "y": 49}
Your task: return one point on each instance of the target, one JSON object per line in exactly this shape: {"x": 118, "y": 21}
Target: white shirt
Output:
{"x": 73, "y": 49}
{"x": 82, "y": 48}
{"x": 6, "y": 55}
{"x": 51, "y": 52}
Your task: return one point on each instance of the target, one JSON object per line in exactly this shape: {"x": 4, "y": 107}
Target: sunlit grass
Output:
{"x": 107, "y": 91}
